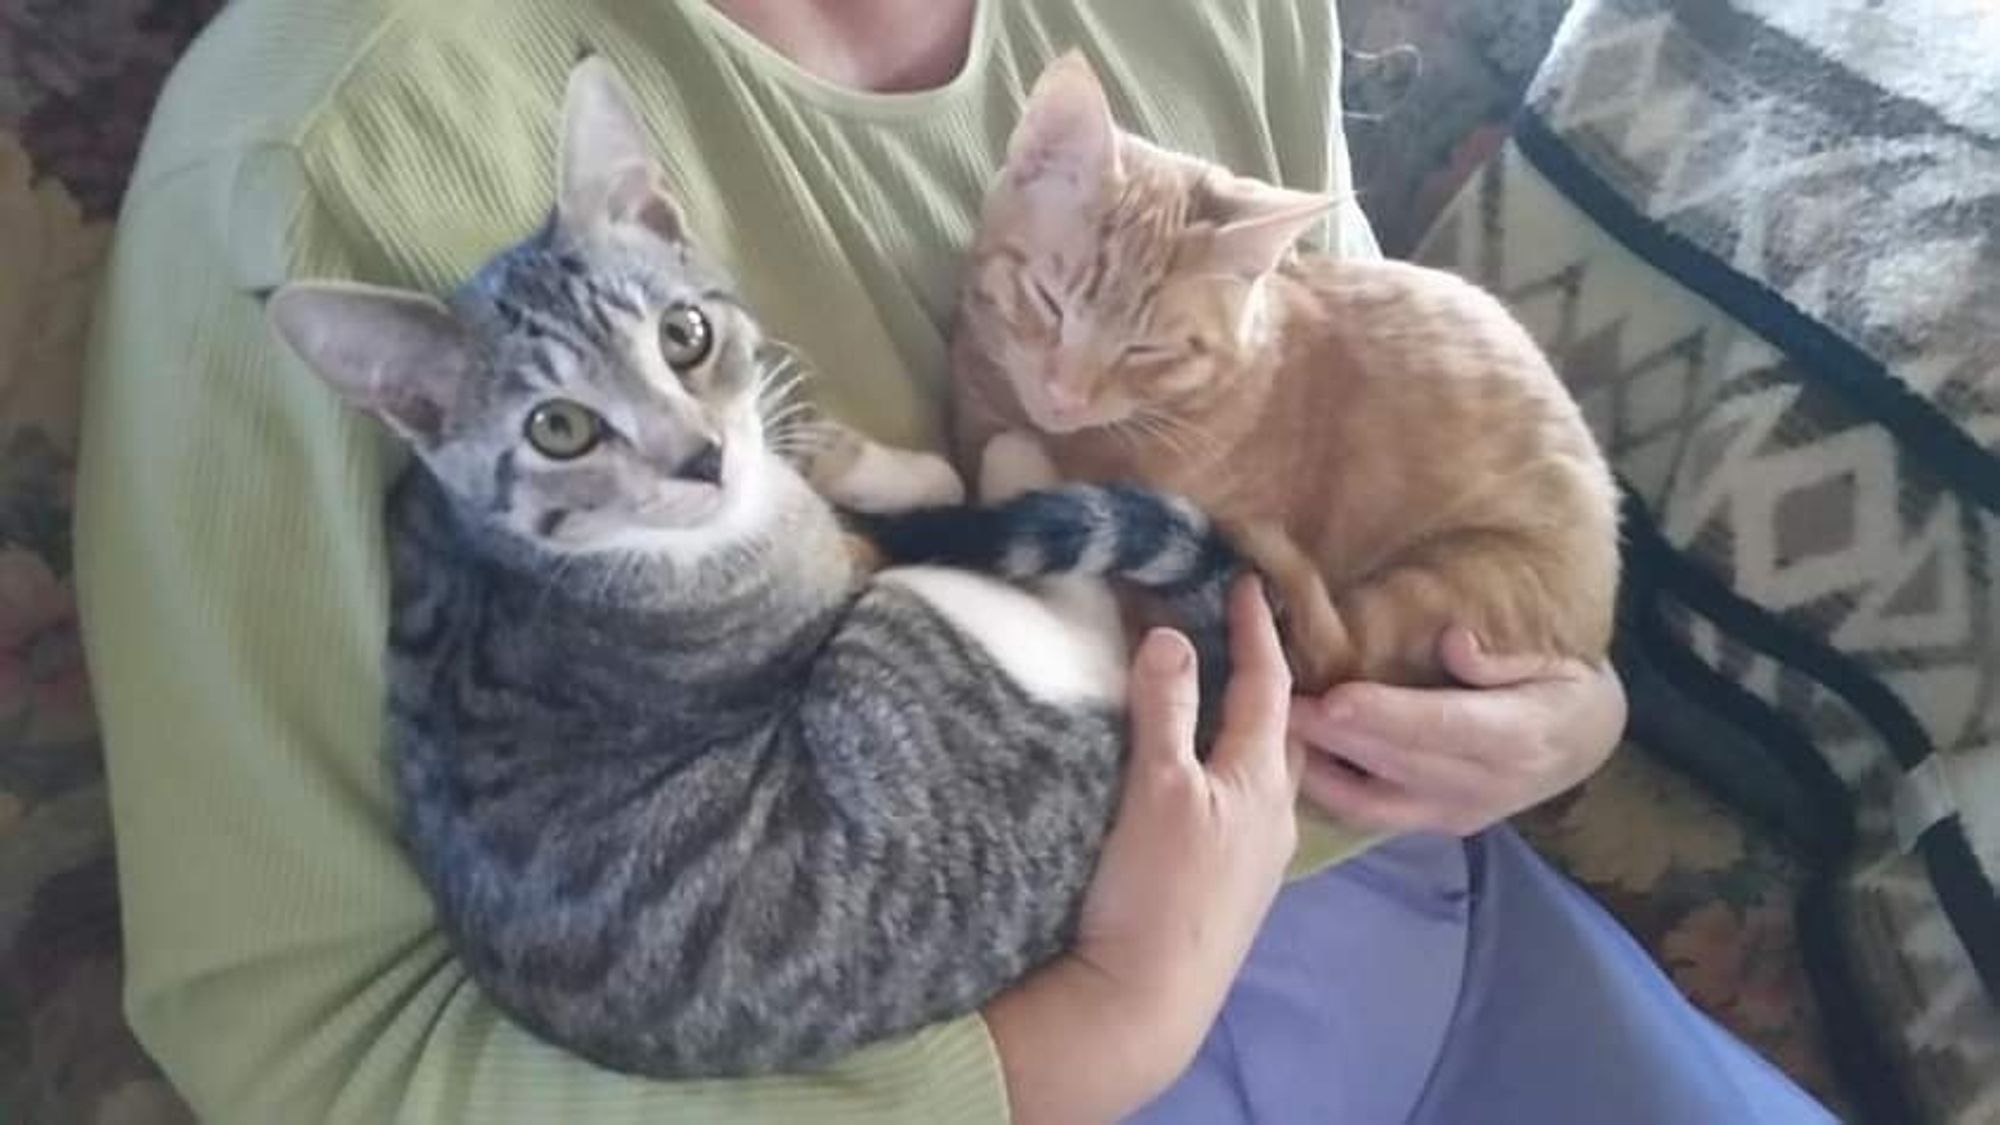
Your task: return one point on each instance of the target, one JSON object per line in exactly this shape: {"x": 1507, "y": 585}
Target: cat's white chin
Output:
{"x": 683, "y": 522}
{"x": 686, "y": 507}
{"x": 735, "y": 510}
{"x": 1061, "y": 424}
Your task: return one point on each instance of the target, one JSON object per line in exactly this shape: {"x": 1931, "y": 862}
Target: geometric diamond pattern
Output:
{"x": 1844, "y": 157}
{"x": 1780, "y": 153}
{"x": 1811, "y": 510}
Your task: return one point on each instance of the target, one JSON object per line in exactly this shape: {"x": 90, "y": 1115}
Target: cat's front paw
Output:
{"x": 864, "y": 476}
{"x": 1013, "y": 463}
{"x": 886, "y": 481}
{"x": 930, "y": 480}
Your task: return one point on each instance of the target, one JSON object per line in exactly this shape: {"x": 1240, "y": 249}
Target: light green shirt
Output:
{"x": 284, "y": 964}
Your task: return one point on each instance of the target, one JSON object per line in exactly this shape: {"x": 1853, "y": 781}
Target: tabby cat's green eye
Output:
{"x": 563, "y": 430}
{"x": 685, "y": 337}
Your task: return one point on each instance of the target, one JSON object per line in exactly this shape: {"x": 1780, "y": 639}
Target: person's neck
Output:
{"x": 881, "y": 46}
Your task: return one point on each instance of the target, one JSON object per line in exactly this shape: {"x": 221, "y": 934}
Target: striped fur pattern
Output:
{"x": 1161, "y": 544}
{"x": 1385, "y": 443}
{"x": 693, "y": 792}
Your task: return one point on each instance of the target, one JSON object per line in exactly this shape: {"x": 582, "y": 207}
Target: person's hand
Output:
{"x": 1188, "y": 871}
{"x": 1458, "y": 760}
{"x": 1197, "y": 851}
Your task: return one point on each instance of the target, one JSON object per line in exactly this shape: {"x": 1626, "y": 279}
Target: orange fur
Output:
{"x": 867, "y": 558}
{"x": 1385, "y": 441}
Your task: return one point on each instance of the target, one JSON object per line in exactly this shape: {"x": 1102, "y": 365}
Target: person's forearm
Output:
{"x": 1073, "y": 1052}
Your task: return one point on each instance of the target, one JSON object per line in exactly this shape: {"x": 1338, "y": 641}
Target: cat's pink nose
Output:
{"x": 1065, "y": 400}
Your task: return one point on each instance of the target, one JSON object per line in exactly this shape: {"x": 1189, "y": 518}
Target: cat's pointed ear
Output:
{"x": 401, "y": 357}
{"x": 1261, "y": 226}
{"x": 1066, "y": 142}
{"x": 607, "y": 172}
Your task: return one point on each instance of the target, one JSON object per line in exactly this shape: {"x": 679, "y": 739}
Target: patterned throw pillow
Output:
{"x": 1762, "y": 240}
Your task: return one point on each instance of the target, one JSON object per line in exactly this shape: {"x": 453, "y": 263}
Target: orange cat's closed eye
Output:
{"x": 1390, "y": 446}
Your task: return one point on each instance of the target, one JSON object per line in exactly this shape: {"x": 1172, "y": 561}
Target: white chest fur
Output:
{"x": 1062, "y": 644}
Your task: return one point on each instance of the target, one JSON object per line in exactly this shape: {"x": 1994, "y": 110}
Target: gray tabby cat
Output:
{"x": 694, "y": 792}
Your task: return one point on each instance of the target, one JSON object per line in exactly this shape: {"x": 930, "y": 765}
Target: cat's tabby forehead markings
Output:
{"x": 545, "y": 393}
{"x": 553, "y": 316}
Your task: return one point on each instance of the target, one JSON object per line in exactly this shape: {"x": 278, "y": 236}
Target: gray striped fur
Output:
{"x": 743, "y": 815}
{"x": 694, "y": 795}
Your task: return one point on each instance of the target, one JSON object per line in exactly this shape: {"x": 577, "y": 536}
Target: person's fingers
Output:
{"x": 1258, "y": 700}
{"x": 1296, "y": 752}
{"x": 1470, "y": 663}
{"x": 1365, "y": 802}
{"x": 1599, "y": 720}
{"x": 1425, "y": 773}
{"x": 1448, "y": 721}
{"x": 1163, "y": 701}
{"x": 1256, "y": 653}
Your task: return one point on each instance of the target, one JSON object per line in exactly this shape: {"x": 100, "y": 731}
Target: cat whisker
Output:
{"x": 1192, "y": 439}
{"x": 782, "y": 374}
{"x": 799, "y": 440}
{"x": 629, "y": 566}
{"x": 772, "y": 413}
{"x": 796, "y": 433}
{"x": 616, "y": 571}
{"x": 799, "y": 451}
{"x": 776, "y": 387}
{"x": 1126, "y": 433}
{"x": 555, "y": 578}
{"x": 793, "y": 437}
{"x": 788, "y": 413}
{"x": 1151, "y": 427}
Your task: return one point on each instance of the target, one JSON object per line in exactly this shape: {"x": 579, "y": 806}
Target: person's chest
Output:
{"x": 847, "y": 225}
{"x": 842, "y": 220}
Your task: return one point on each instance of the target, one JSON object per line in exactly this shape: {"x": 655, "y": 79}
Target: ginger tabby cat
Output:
{"x": 1385, "y": 441}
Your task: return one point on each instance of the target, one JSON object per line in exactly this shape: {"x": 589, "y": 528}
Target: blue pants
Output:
{"x": 1435, "y": 981}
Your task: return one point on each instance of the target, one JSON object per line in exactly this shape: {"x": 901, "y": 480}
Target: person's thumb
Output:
{"x": 1163, "y": 699}
{"x": 1470, "y": 663}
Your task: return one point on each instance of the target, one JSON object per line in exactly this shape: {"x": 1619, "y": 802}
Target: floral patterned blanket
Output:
{"x": 77, "y": 83}
{"x": 1711, "y": 896}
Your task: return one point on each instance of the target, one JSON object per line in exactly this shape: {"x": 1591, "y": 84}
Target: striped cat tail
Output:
{"x": 1158, "y": 542}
